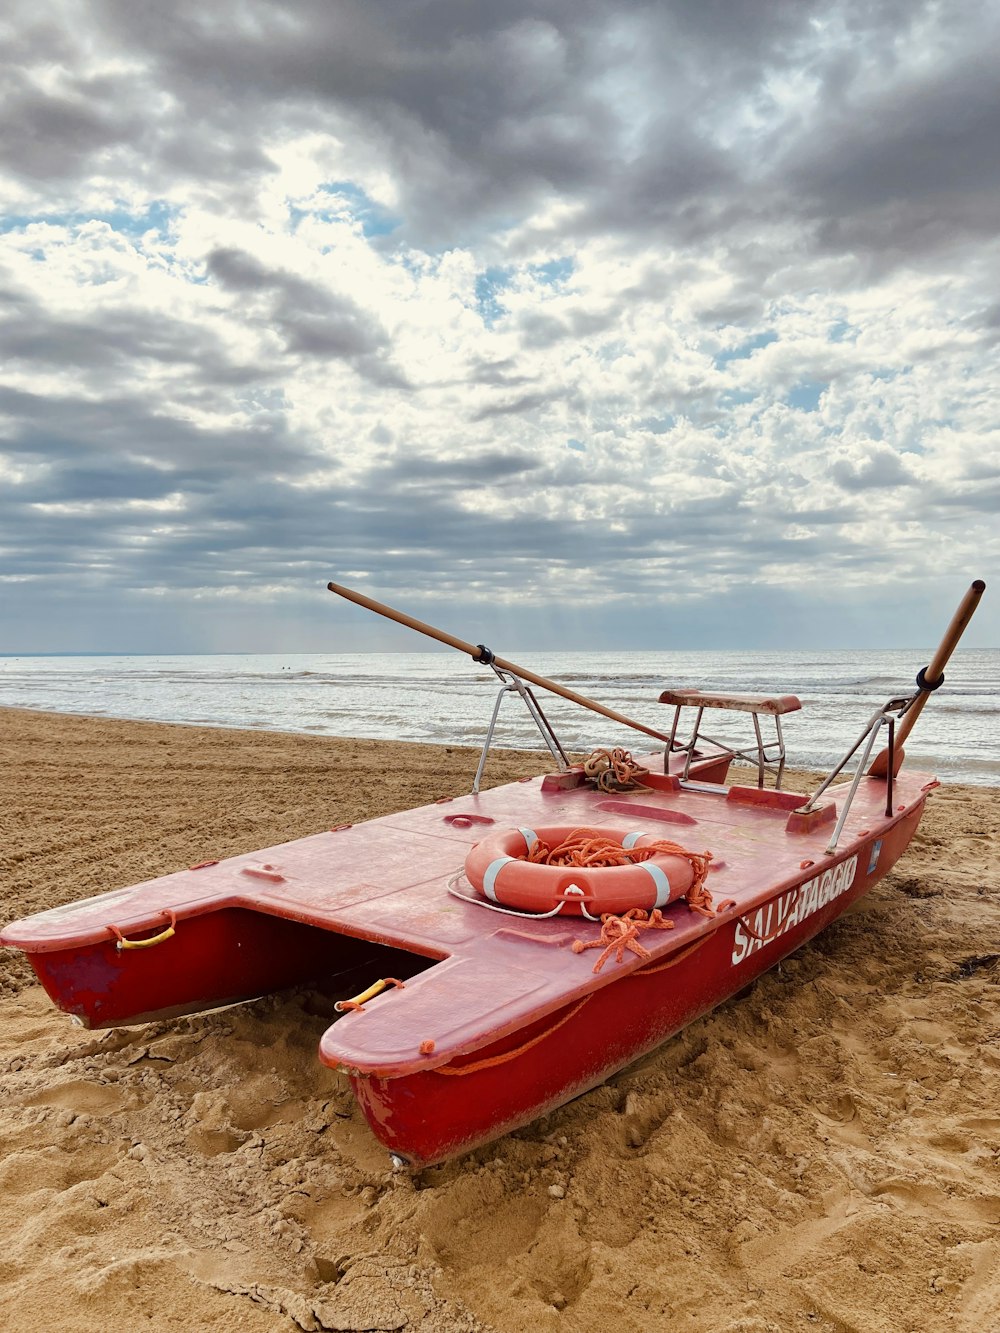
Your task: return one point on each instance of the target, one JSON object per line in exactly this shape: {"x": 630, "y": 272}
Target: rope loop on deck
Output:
{"x": 502, "y": 1059}
{"x": 621, "y": 933}
{"x": 779, "y": 925}
{"x": 613, "y": 770}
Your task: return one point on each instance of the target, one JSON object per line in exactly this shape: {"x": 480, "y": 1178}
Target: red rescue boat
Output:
{"x": 486, "y": 1015}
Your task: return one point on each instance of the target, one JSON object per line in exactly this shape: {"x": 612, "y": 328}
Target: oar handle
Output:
{"x": 932, "y": 674}
{"x": 955, "y": 630}
{"x": 401, "y": 618}
{"x": 473, "y": 650}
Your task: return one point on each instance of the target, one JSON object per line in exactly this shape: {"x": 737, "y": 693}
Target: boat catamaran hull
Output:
{"x": 499, "y": 1019}
{"x": 493, "y": 1018}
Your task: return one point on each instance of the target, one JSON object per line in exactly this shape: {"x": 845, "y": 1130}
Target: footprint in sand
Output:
{"x": 80, "y": 1096}
{"x": 54, "y": 1168}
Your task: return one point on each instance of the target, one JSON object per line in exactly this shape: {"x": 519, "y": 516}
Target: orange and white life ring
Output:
{"x": 495, "y": 868}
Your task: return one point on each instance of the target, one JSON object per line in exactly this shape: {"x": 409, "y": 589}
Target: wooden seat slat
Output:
{"x": 737, "y": 703}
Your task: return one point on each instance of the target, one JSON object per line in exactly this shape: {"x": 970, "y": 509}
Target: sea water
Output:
{"x": 444, "y": 698}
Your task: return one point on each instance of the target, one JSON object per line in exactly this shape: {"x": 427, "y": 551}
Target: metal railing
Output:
{"x": 886, "y": 717}
{"x": 512, "y": 684}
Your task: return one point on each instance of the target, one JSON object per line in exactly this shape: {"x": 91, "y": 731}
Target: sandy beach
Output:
{"x": 821, "y": 1153}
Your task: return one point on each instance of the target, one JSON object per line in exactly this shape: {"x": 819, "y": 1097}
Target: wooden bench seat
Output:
{"x": 763, "y": 754}
{"x": 738, "y": 703}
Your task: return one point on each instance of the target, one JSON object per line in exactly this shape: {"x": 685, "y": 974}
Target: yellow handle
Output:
{"x": 123, "y": 943}
{"x": 376, "y": 988}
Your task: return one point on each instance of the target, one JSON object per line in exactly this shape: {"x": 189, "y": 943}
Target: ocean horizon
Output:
{"x": 443, "y": 698}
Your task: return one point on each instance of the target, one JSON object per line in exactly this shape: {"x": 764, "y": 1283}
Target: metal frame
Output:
{"x": 887, "y": 716}
{"x": 512, "y": 684}
{"x": 758, "y": 756}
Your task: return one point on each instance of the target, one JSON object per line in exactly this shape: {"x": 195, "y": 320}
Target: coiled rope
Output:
{"x": 613, "y": 770}
{"x": 588, "y": 847}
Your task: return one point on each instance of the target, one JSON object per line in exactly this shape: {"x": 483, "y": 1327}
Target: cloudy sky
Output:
{"x": 564, "y": 324}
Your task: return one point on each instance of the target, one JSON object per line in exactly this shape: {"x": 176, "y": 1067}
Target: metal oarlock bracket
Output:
{"x": 512, "y": 684}
{"x": 887, "y": 716}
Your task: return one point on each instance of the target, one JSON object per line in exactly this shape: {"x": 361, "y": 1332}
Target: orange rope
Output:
{"x": 766, "y": 939}
{"x": 674, "y": 959}
{"x": 619, "y": 933}
{"x": 633, "y": 921}
{"x": 584, "y": 847}
{"x": 613, "y": 770}
{"x": 518, "y": 1050}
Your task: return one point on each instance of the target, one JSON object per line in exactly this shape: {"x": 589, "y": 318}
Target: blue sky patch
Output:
{"x": 156, "y": 216}
{"x": 744, "y": 350}
{"x": 553, "y": 271}
{"x": 489, "y": 285}
{"x": 805, "y": 397}
{"x": 373, "y": 218}
{"x": 842, "y": 332}
{"x": 658, "y": 425}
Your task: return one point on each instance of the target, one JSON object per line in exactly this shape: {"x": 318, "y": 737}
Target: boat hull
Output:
{"x": 501, "y": 1018}
{"x": 429, "y": 1116}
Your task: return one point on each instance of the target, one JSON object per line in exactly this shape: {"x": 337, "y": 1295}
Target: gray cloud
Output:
{"x": 256, "y": 256}
{"x": 479, "y": 112}
{"x": 314, "y": 321}
{"x": 882, "y": 467}
{"x": 482, "y": 469}
{"x": 522, "y": 403}
{"x": 115, "y": 343}
{"x": 501, "y": 373}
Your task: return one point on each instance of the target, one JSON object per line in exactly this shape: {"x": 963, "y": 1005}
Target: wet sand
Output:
{"x": 821, "y": 1153}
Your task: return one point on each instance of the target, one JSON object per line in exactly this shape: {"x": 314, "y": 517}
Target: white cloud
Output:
{"x": 618, "y": 304}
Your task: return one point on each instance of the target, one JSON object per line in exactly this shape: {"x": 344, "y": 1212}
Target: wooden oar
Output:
{"x": 474, "y": 649}
{"x": 930, "y": 674}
